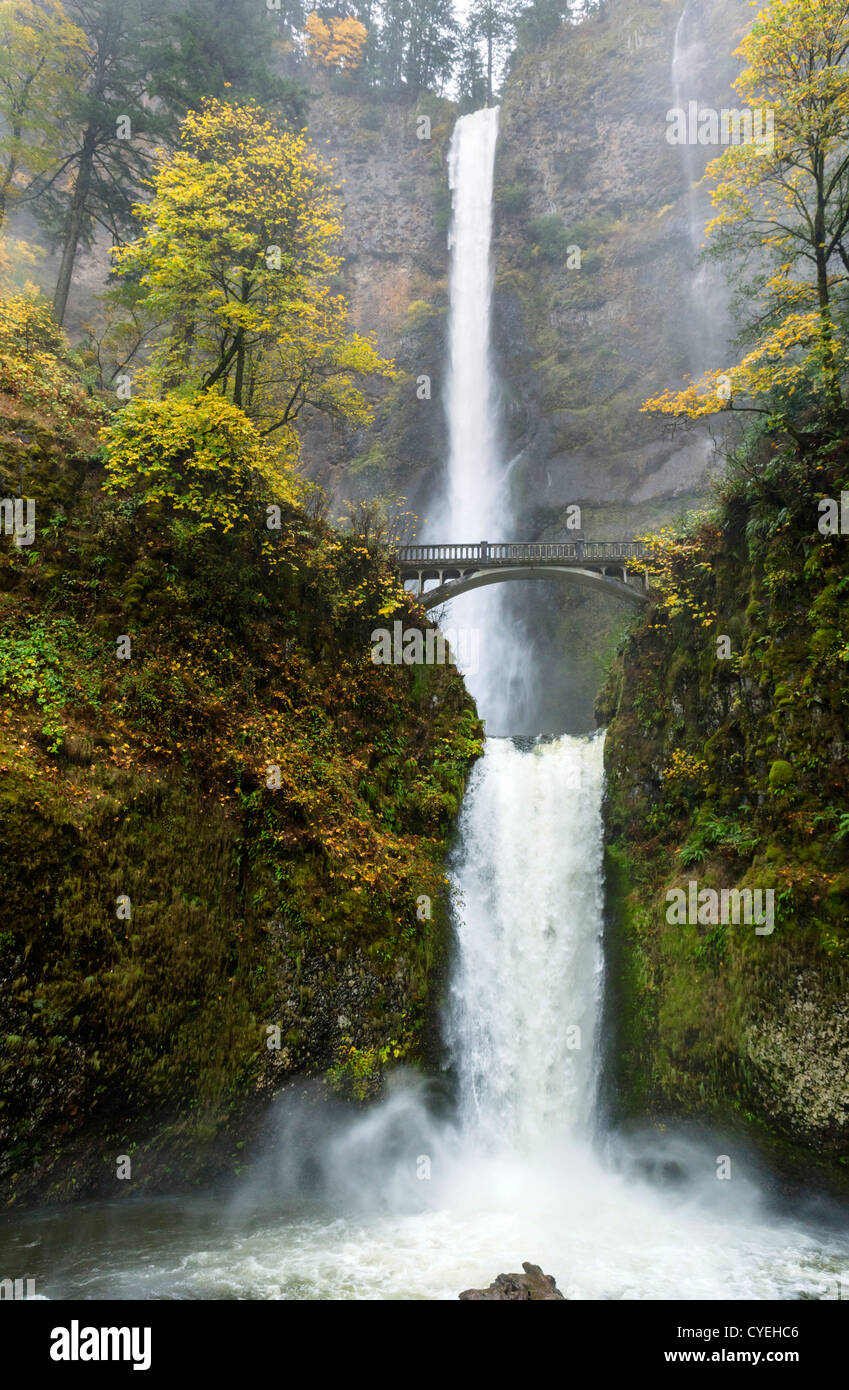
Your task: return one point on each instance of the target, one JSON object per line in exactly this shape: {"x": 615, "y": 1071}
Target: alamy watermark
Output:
{"x": 833, "y": 516}
{"x": 14, "y": 521}
{"x": 76, "y": 1343}
{"x": 703, "y": 125}
{"x": 709, "y": 907}
{"x": 17, "y": 1288}
{"x": 412, "y": 647}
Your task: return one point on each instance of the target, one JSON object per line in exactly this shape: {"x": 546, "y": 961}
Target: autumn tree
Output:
{"x": 335, "y": 42}
{"x": 238, "y": 250}
{"x": 782, "y": 214}
{"x": 42, "y": 56}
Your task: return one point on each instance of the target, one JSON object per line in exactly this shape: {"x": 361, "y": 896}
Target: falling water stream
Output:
{"x": 412, "y": 1199}
{"x": 708, "y": 296}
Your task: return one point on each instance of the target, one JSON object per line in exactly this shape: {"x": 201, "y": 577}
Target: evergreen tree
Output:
{"x": 417, "y": 45}
{"x": 222, "y": 49}
{"x": 542, "y": 20}
{"x": 108, "y": 131}
{"x": 471, "y": 74}
{"x": 148, "y": 62}
{"x": 491, "y": 22}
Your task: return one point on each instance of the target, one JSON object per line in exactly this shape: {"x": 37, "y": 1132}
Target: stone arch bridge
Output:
{"x": 611, "y": 567}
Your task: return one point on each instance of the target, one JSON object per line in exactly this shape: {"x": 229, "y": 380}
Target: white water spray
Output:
{"x": 473, "y": 471}
{"x": 476, "y": 503}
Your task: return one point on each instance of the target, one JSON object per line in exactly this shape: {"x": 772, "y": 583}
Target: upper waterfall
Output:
{"x": 476, "y": 503}
{"x": 473, "y": 469}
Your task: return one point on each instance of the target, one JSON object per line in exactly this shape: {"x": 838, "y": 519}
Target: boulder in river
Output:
{"x": 531, "y": 1286}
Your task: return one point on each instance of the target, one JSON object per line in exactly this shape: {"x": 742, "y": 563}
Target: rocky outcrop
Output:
{"x": 396, "y": 204}
{"x": 531, "y": 1287}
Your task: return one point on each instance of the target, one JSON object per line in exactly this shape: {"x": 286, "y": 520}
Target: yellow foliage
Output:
{"x": 684, "y": 767}
{"x": 42, "y": 61}
{"x": 240, "y": 242}
{"x": 34, "y": 366}
{"x": 335, "y": 43}
{"x": 201, "y": 456}
{"x": 786, "y": 200}
{"x": 670, "y": 561}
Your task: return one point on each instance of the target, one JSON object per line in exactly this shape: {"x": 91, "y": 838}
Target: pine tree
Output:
{"x": 417, "y": 45}
{"x": 109, "y": 128}
{"x": 222, "y": 49}
{"x": 492, "y": 24}
{"x": 148, "y": 62}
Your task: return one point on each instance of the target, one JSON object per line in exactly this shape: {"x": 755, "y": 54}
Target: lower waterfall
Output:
{"x": 526, "y": 990}
{"x": 409, "y": 1200}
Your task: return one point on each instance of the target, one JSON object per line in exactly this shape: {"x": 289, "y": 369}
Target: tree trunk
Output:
{"x": 76, "y": 218}
{"x": 829, "y": 361}
{"x": 4, "y": 190}
{"x": 240, "y": 370}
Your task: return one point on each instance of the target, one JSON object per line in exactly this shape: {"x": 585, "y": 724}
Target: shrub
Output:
{"x": 35, "y": 364}
{"x": 200, "y": 456}
{"x": 512, "y": 198}
{"x": 550, "y": 236}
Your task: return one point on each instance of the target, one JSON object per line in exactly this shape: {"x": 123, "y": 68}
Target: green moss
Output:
{"x": 224, "y": 835}
{"x": 716, "y": 1020}
{"x": 780, "y": 774}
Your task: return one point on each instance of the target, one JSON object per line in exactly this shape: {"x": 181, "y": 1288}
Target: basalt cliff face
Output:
{"x": 584, "y": 164}
{"x": 582, "y": 161}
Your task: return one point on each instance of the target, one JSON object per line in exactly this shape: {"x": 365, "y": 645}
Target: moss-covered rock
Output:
{"x": 731, "y": 773}
{"x": 218, "y": 819}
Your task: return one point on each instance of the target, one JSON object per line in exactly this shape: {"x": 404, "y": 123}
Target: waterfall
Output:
{"x": 473, "y": 470}
{"x": 527, "y": 977}
{"x": 528, "y": 871}
{"x": 476, "y": 504}
{"x": 706, "y": 287}
{"x": 400, "y": 1201}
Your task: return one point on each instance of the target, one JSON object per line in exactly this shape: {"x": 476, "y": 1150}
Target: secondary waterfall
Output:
{"x": 707, "y": 290}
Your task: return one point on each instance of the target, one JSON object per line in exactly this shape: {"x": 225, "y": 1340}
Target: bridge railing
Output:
{"x": 514, "y": 551}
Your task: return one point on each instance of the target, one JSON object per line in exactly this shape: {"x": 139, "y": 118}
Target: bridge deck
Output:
{"x": 612, "y": 566}
{"x": 522, "y": 553}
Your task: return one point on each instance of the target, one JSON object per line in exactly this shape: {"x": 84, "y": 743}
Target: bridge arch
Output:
{"x": 590, "y": 579}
